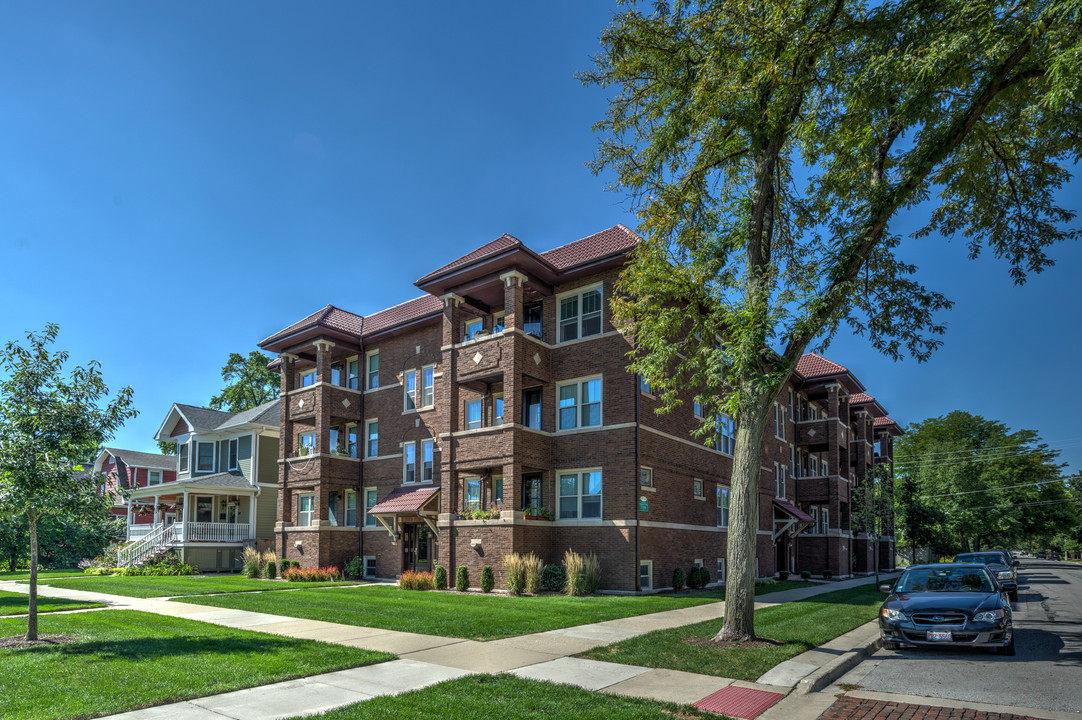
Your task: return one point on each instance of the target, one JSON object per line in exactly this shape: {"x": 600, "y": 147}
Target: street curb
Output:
{"x": 839, "y": 666}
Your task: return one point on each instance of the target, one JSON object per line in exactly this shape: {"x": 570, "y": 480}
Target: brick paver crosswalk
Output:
{"x": 851, "y": 708}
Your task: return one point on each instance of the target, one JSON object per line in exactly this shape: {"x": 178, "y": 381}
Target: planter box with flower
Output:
{"x": 532, "y": 513}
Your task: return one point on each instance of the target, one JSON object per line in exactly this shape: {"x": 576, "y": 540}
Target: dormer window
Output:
{"x": 204, "y": 458}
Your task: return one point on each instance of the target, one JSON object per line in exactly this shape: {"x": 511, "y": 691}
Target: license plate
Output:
{"x": 940, "y": 635}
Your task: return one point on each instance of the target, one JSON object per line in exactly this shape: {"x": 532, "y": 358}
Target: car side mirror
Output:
{"x": 884, "y": 588}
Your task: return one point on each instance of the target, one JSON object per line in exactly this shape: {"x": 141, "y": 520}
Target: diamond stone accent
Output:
{"x": 300, "y": 404}
{"x": 478, "y": 357}
{"x": 536, "y": 359}
{"x": 345, "y": 402}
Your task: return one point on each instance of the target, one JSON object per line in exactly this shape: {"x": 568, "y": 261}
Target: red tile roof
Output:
{"x": 607, "y": 242}
{"x": 403, "y": 313}
{"x": 329, "y": 317}
{"x": 883, "y": 421}
{"x": 813, "y": 366}
{"x": 498, "y": 245}
{"x": 405, "y": 500}
{"x": 860, "y": 399}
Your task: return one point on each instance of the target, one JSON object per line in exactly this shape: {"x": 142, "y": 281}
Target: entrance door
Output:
{"x": 416, "y": 547}
{"x": 781, "y": 561}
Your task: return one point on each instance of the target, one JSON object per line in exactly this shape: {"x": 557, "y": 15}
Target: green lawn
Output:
{"x": 16, "y": 603}
{"x": 480, "y": 697}
{"x": 798, "y": 625}
{"x": 479, "y": 617}
{"x": 25, "y": 574}
{"x": 149, "y": 586}
{"x": 126, "y": 659}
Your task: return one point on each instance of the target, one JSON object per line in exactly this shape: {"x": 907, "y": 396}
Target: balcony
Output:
{"x": 321, "y": 466}
{"x": 199, "y": 532}
{"x": 344, "y": 403}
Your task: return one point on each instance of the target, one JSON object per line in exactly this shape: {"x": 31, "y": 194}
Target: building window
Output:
{"x": 644, "y": 385}
{"x": 779, "y": 480}
{"x": 580, "y": 315}
{"x": 824, "y": 520}
{"x": 697, "y": 487}
{"x": 646, "y": 477}
{"x": 792, "y": 404}
{"x": 351, "y": 508}
{"x": 306, "y": 510}
{"x": 409, "y": 460}
{"x": 497, "y": 321}
{"x": 308, "y": 378}
{"x": 473, "y": 328}
{"x": 428, "y": 384}
{"x": 373, "y": 370}
{"x": 369, "y": 566}
{"x": 826, "y": 468}
{"x": 697, "y": 409}
{"x": 154, "y": 477}
{"x": 473, "y": 414}
{"x": 234, "y": 454}
{"x": 531, "y": 408}
{"x": 531, "y": 318}
{"x": 411, "y": 390}
{"x": 495, "y": 492}
{"x": 369, "y": 503}
{"x": 792, "y": 462}
{"x": 580, "y": 404}
{"x": 336, "y": 373}
{"x": 332, "y": 442}
{"x": 204, "y": 460}
{"x": 723, "y": 507}
{"x": 580, "y": 495}
{"x": 371, "y": 445}
{"x": 332, "y": 508}
{"x": 497, "y": 409}
{"x": 646, "y": 574}
{"x": 727, "y": 434}
{"x": 813, "y": 511}
{"x": 183, "y": 459}
{"x": 531, "y": 493}
{"x": 473, "y": 495}
{"x": 353, "y": 379}
{"x": 426, "y": 460}
{"x": 307, "y": 442}
{"x": 721, "y": 570}
{"x": 779, "y": 421}
{"x": 351, "y": 439}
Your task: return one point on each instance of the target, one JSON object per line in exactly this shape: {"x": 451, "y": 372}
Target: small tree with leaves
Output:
{"x": 249, "y": 383}
{"x": 872, "y": 509}
{"x": 49, "y": 421}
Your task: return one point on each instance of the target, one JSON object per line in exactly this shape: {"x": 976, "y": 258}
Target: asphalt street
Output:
{"x": 1045, "y": 673}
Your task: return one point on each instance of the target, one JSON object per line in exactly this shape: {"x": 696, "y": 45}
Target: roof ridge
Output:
{"x": 407, "y": 302}
{"x": 623, "y": 227}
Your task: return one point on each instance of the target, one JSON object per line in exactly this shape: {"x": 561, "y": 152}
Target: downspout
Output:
{"x": 635, "y": 479}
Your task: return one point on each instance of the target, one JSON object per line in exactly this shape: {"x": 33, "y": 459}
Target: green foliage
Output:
{"x": 698, "y": 577}
{"x": 553, "y": 578}
{"x": 515, "y": 567}
{"x": 323, "y": 574}
{"x": 249, "y": 383}
{"x": 166, "y": 565}
{"x": 462, "y": 579}
{"x": 252, "y": 561}
{"x": 783, "y": 575}
{"x": 270, "y": 570}
{"x": 770, "y": 149}
{"x": 488, "y": 579}
{"x": 679, "y": 579}
{"x": 49, "y": 422}
{"x": 583, "y": 573}
{"x": 533, "y": 566}
{"x": 828, "y": 573}
{"x": 968, "y": 483}
{"x": 440, "y": 577}
{"x": 353, "y": 570}
{"x": 805, "y": 574}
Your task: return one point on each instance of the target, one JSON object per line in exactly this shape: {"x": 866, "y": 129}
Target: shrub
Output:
{"x": 679, "y": 577}
{"x": 515, "y": 565}
{"x": 591, "y": 574}
{"x": 440, "y": 577}
{"x": 534, "y": 566}
{"x": 783, "y": 575}
{"x": 583, "y": 573}
{"x": 828, "y": 574}
{"x": 271, "y": 570}
{"x": 354, "y": 569}
{"x": 488, "y": 580}
{"x": 805, "y": 574}
{"x": 252, "y": 561}
{"x": 413, "y": 580}
{"x": 296, "y": 574}
{"x": 462, "y": 579}
{"x": 553, "y": 578}
{"x": 698, "y": 577}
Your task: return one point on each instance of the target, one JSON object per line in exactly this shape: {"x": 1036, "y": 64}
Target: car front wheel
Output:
{"x": 1006, "y": 649}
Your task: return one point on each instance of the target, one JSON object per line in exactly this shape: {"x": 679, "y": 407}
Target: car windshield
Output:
{"x": 986, "y": 558}
{"x": 946, "y": 579}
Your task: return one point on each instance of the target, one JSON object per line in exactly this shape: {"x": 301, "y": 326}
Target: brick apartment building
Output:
{"x": 504, "y": 390}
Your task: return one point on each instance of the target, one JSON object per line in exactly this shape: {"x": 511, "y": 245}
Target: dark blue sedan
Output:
{"x": 956, "y": 604}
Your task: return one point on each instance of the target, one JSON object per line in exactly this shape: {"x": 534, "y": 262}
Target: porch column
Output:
{"x": 128, "y": 536}
{"x": 251, "y": 517}
{"x": 323, "y": 408}
{"x": 156, "y": 501}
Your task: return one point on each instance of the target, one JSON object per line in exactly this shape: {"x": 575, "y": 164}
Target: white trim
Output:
{"x": 650, "y": 579}
{"x": 577, "y": 383}
{"x": 229, "y": 454}
{"x": 213, "y": 456}
{"x": 578, "y": 473}
{"x": 579, "y": 292}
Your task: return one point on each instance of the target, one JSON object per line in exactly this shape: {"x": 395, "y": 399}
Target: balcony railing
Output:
{"x": 199, "y": 532}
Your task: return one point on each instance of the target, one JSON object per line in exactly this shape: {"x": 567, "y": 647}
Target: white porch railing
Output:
{"x": 137, "y": 531}
{"x": 142, "y": 549}
{"x": 213, "y": 532}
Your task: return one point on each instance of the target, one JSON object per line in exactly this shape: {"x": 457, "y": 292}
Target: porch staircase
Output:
{"x": 146, "y": 547}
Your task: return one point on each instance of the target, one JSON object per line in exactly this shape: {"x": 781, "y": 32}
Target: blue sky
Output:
{"x": 178, "y": 181}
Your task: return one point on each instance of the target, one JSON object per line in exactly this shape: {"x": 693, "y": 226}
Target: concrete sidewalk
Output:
{"x": 426, "y": 659}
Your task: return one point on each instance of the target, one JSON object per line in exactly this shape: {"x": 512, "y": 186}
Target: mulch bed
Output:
{"x": 726, "y": 644}
{"x": 19, "y": 641}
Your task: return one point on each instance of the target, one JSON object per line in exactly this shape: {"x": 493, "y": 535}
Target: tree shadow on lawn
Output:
{"x": 20, "y": 605}
{"x": 136, "y": 649}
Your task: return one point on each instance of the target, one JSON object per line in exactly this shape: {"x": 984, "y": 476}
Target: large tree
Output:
{"x": 249, "y": 383}
{"x": 769, "y": 146}
{"x": 993, "y": 487}
{"x": 49, "y": 420}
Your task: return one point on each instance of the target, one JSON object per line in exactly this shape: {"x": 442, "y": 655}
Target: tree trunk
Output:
{"x": 744, "y": 522}
{"x": 32, "y": 619}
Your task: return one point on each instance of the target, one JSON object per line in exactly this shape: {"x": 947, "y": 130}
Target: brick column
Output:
{"x": 323, "y": 408}
{"x": 514, "y": 347}
{"x": 452, "y": 320}
{"x": 512, "y": 299}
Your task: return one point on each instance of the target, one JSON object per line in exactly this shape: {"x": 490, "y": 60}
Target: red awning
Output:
{"x": 405, "y": 500}
{"x": 793, "y": 511}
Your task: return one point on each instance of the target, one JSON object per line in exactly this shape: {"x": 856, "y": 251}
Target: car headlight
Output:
{"x": 988, "y": 616}
{"x": 892, "y": 615}
{"x": 1004, "y": 574}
